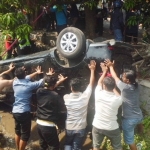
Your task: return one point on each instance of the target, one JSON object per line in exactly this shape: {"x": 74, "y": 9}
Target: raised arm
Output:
{"x": 92, "y": 67}
{"x": 116, "y": 92}
{"x": 37, "y": 71}
{"x": 61, "y": 79}
{"x": 110, "y": 64}
{"x": 11, "y": 67}
{"x": 104, "y": 70}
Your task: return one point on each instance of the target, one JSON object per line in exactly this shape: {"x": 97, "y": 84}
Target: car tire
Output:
{"x": 71, "y": 42}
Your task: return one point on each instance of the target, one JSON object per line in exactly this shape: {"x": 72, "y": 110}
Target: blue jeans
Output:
{"x": 75, "y": 138}
{"x": 128, "y": 126}
{"x": 118, "y": 35}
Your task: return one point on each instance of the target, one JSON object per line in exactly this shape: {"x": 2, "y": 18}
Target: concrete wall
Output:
{"x": 145, "y": 95}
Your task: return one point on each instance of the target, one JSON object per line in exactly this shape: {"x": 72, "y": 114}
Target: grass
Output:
{"x": 142, "y": 138}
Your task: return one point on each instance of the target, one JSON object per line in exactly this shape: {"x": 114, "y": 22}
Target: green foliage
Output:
{"x": 146, "y": 36}
{"x": 129, "y": 4}
{"x": 8, "y": 21}
{"x": 13, "y": 21}
{"x": 143, "y": 138}
{"x": 144, "y": 7}
{"x": 91, "y": 3}
{"x": 133, "y": 20}
{"x": 1, "y": 43}
{"x": 22, "y": 30}
{"x": 146, "y": 123}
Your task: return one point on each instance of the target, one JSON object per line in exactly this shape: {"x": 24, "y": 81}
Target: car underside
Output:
{"x": 70, "y": 57}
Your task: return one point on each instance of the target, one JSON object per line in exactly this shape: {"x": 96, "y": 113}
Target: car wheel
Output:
{"x": 71, "y": 42}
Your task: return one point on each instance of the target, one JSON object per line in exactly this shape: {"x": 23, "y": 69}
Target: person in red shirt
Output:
{"x": 8, "y": 42}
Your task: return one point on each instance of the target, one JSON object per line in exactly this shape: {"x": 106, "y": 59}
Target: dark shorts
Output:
{"x": 48, "y": 138}
{"x": 23, "y": 125}
{"x": 113, "y": 135}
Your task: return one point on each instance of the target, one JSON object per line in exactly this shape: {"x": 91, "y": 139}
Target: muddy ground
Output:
{"x": 7, "y": 132}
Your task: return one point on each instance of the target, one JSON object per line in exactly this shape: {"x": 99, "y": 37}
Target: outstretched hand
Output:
{"x": 38, "y": 70}
{"x": 61, "y": 78}
{"x": 11, "y": 66}
{"x": 108, "y": 63}
{"x": 50, "y": 72}
{"x": 92, "y": 65}
{"x": 104, "y": 67}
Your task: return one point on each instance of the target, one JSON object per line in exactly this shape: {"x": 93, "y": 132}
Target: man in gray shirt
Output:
{"x": 132, "y": 114}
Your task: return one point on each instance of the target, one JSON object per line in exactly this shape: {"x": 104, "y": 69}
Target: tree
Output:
{"x": 143, "y": 6}
{"x": 13, "y": 20}
{"x": 90, "y": 7}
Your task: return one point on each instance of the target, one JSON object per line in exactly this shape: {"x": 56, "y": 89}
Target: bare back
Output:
{"x": 5, "y": 83}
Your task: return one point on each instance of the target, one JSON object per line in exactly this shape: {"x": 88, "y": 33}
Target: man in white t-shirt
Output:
{"x": 107, "y": 102}
{"x": 76, "y": 103}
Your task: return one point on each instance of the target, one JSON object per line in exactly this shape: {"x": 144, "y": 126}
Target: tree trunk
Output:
{"x": 90, "y": 22}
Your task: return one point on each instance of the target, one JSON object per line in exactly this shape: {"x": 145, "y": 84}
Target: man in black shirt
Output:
{"x": 117, "y": 22}
{"x": 131, "y": 32}
{"x": 50, "y": 110}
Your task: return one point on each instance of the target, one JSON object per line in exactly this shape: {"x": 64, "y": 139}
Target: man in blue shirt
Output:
{"x": 61, "y": 16}
{"x": 23, "y": 88}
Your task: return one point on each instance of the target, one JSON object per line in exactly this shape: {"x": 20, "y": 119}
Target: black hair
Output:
{"x": 131, "y": 76}
{"x": 49, "y": 81}
{"x": 75, "y": 84}
{"x": 5, "y": 76}
{"x": 20, "y": 73}
{"x": 109, "y": 82}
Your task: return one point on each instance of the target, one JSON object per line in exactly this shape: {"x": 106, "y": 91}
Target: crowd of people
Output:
{"x": 119, "y": 17}
{"x": 69, "y": 112}
{"x": 57, "y": 17}
{"x": 119, "y": 26}
{"x": 54, "y": 17}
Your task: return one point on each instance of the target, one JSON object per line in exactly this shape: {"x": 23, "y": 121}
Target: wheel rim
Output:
{"x": 69, "y": 42}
